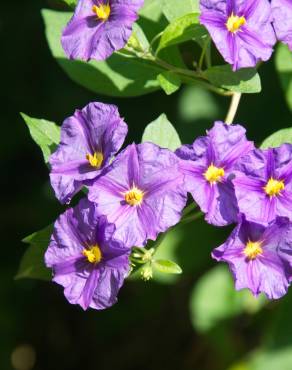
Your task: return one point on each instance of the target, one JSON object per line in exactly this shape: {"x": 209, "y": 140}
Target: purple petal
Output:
{"x": 282, "y": 17}
{"x": 89, "y": 288}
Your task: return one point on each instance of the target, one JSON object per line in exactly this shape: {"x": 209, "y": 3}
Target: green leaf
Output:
{"x": 162, "y": 133}
{"x": 120, "y": 75}
{"x": 71, "y": 3}
{"x": 245, "y": 80}
{"x": 181, "y": 30}
{"x": 206, "y": 107}
{"x": 278, "y": 138}
{"x": 284, "y": 68}
{"x": 45, "y": 133}
{"x": 32, "y": 264}
{"x": 167, "y": 267}
{"x": 173, "y": 9}
{"x": 214, "y": 298}
{"x": 138, "y": 41}
{"x": 169, "y": 82}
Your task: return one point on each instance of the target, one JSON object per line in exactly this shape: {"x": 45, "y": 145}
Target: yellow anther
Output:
{"x": 234, "y": 23}
{"x": 93, "y": 254}
{"x": 134, "y": 197}
{"x": 95, "y": 160}
{"x": 102, "y": 11}
{"x": 252, "y": 250}
{"x": 274, "y": 187}
{"x": 214, "y": 174}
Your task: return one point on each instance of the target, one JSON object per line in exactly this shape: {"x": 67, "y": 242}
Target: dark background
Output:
{"x": 150, "y": 327}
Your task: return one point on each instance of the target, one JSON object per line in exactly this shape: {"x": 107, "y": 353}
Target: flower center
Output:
{"x": 214, "y": 174}
{"x": 102, "y": 11}
{"x": 234, "y": 23}
{"x": 252, "y": 250}
{"x": 274, "y": 187}
{"x": 93, "y": 254}
{"x": 95, "y": 160}
{"x": 134, "y": 197}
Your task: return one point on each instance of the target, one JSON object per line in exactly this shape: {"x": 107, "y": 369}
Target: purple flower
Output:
{"x": 89, "y": 139}
{"x": 263, "y": 184}
{"x": 241, "y": 30}
{"x": 99, "y": 27}
{"x": 208, "y": 164}
{"x": 282, "y": 16}
{"x": 86, "y": 261}
{"x": 259, "y": 257}
{"x": 140, "y": 193}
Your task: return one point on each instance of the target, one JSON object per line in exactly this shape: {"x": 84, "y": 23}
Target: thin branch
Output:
{"x": 233, "y": 108}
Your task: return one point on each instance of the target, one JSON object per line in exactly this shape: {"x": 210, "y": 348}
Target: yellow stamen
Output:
{"x": 234, "y": 23}
{"x": 95, "y": 160}
{"x": 134, "y": 197}
{"x": 93, "y": 254}
{"x": 214, "y": 174}
{"x": 252, "y": 250}
{"x": 274, "y": 187}
{"x": 102, "y": 11}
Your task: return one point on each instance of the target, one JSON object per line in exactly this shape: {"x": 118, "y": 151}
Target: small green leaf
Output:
{"x": 245, "y": 80}
{"x": 162, "y": 133}
{"x": 138, "y": 41}
{"x": 45, "y": 133}
{"x": 278, "y": 138}
{"x": 181, "y": 30}
{"x": 214, "y": 298}
{"x": 284, "y": 68}
{"x": 167, "y": 267}
{"x": 169, "y": 82}
{"x": 174, "y": 9}
{"x": 32, "y": 264}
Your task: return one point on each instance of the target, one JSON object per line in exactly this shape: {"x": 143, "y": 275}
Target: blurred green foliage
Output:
{"x": 152, "y": 325}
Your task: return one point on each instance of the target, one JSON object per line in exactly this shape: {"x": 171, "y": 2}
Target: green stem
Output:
{"x": 191, "y": 76}
{"x": 203, "y": 54}
{"x": 235, "y": 100}
{"x": 157, "y": 37}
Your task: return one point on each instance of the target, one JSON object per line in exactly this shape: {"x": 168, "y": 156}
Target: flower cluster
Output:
{"x": 232, "y": 181}
{"x": 246, "y": 31}
{"x": 131, "y": 198}
{"x": 135, "y": 194}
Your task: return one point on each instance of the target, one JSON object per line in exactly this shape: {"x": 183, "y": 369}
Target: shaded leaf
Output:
{"x": 32, "y": 263}
{"x": 284, "y": 68}
{"x": 245, "y": 80}
{"x": 214, "y": 298}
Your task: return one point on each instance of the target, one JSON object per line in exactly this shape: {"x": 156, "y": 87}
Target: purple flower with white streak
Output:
{"x": 89, "y": 140}
{"x": 99, "y": 27}
{"x": 259, "y": 257}
{"x": 140, "y": 193}
{"x": 282, "y": 20}
{"x": 208, "y": 164}
{"x": 263, "y": 184}
{"x": 86, "y": 261}
{"x": 241, "y": 30}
